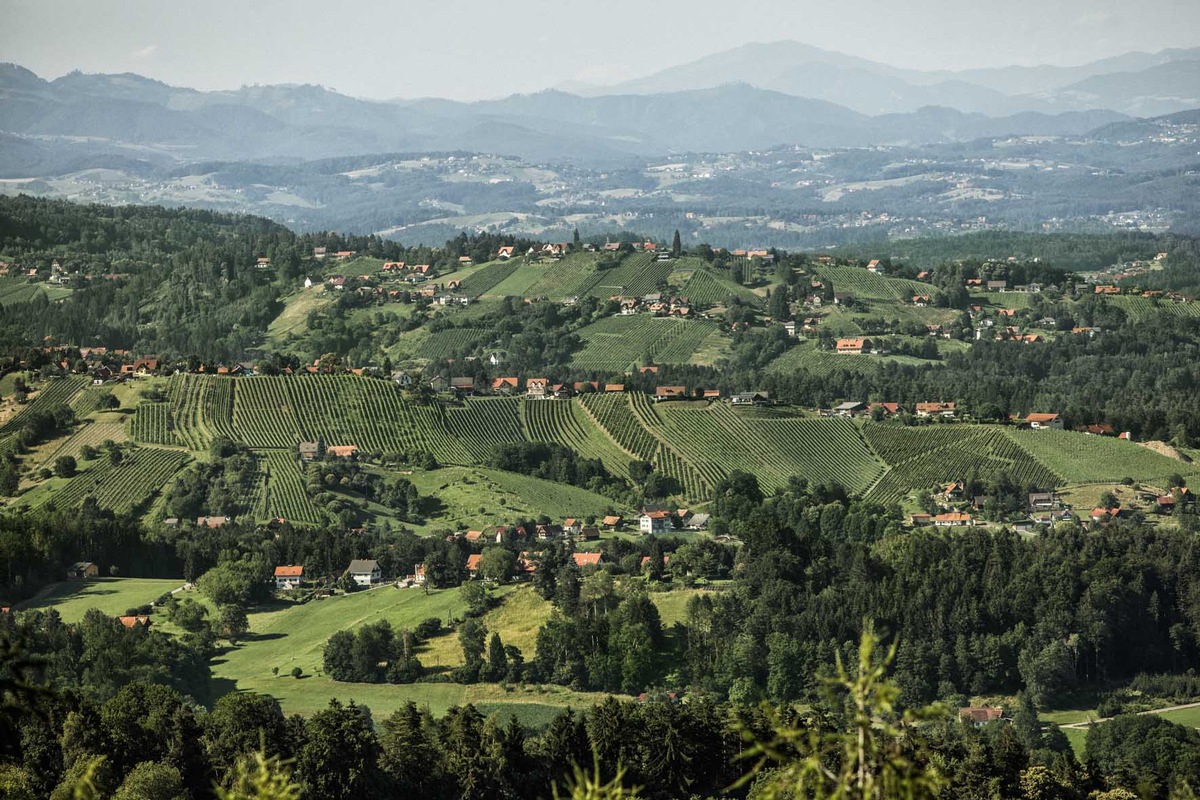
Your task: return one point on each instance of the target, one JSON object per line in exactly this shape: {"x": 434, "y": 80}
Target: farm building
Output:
{"x": 135, "y": 621}
{"x": 211, "y": 522}
{"x": 937, "y": 410}
{"x": 473, "y": 562}
{"x": 505, "y": 385}
{"x": 654, "y": 522}
{"x": 662, "y": 393}
{"x": 1044, "y": 422}
{"x": 537, "y": 388}
{"x": 587, "y": 559}
{"x": 82, "y": 570}
{"x": 980, "y": 716}
{"x": 850, "y": 409}
{"x": 364, "y": 571}
{"x": 856, "y": 346}
{"x": 750, "y": 399}
{"x": 952, "y": 519}
{"x": 288, "y": 577}
{"x": 462, "y": 385}
{"x": 342, "y": 450}
{"x": 310, "y": 450}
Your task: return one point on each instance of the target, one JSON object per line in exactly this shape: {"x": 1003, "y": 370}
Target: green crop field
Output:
{"x": 93, "y": 433}
{"x": 869, "y": 286}
{"x": 1080, "y": 458}
{"x": 284, "y": 491}
{"x": 154, "y": 424}
{"x": 295, "y": 636}
{"x": 806, "y": 357}
{"x": 474, "y": 497}
{"x": 924, "y": 457}
{"x": 639, "y": 274}
{"x": 567, "y": 423}
{"x": 1140, "y": 309}
{"x": 123, "y": 488}
{"x": 694, "y": 280}
{"x": 482, "y": 280}
{"x": 112, "y": 596}
{"x": 615, "y": 343}
{"x": 452, "y": 343}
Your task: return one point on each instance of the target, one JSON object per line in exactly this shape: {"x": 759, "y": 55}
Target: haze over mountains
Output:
{"x": 751, "y": 97}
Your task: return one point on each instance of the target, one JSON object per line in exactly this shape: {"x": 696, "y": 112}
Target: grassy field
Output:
{"x": 292, "y": 323}
{"x": 294, "y": 636}
{"x": 517, "y": 618}
{"x": 113, "y": 596}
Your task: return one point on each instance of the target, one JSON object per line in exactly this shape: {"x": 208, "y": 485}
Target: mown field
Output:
{"x": 112, "y": 596}
{"x": 292, "y": 636}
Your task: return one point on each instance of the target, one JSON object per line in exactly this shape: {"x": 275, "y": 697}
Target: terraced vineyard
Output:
{"x": 614, "y": 414}
{"x": 925, "y": 457}
{"x": 484, "y": 422}
{"x": 153, "y": 424}
{"x": 566, "y": 423}
{"x": 867, "y": 285}
{"x": 639, "y": 274}
{"x": 702, "y": 287}
{"x": 284, "y": 491}
{"x": 1080, "y": 458}
{"x": 452, "y": 342}
{"x": 558, "y": 279}
{"x": 49, "y": 393}
{"x": 125, "y": 487}
{"x": 482, "y": 281}
{"x": 90, "y": 433}
{"x": 1139, "y": 309}
{"x": 717, "y": 439}
{"x": 201, "y": 409}
{"x": 614, "y": 343}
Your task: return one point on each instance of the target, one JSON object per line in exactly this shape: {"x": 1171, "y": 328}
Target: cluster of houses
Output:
{"x": 655, "y": 303}
{"x": 854, "y": 408}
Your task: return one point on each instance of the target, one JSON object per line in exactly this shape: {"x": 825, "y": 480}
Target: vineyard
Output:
{"x": 567, "y": 423}
{"x": 49, "y": 393}
{"x": 612, "y": 412}
{"x": 201, "y": 409}
{"x": 482, "y": 281}
{"x": 1080, "y": 458}
{"x": 89, "y": 433}
{"x": 867, "y": 285}
{"x": 926, "y": 457}
{"x": 639, "y": 274}
{"x": 484, "y": 422}
{"x": 125, "y": 487}
{"x": 701, "y": 287}
{"x": 567, "y": 277}
{"x": 614, "y": 343}
{"x": 1140, "y": 309}
{"x": 453, "y": 343}
{"x": 153, "y": 424}
{"x": 284, "y": 493}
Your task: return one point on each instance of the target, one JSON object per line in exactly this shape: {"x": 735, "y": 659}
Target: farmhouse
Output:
{"x": 288, "y": 577}
{"x": 504, "y": 385}
{"x": 310, "y": 450}
{"x": 697, "y": 522}
{"x": 937, "y": 410}
{"x": 750, "y": 399}
{"x": 980, "y": 716}
{"x": 888, "y": 409}
{"x": 135, "y": 621}
{"x": 506, "y": 252}
{"x": 211, "y": 522}
{"x": 82, "y": 570}
{"x": 364, "y": 571}
{"x": 854, "y": 346}
{"x": 1044, "y": 422}
{"x": 589, "y": 533}
{"x": 997, "y": 286}
{"x": 654, "y": 522}
{"x": 536, "y": 388}
{"x": 952, "y": 520}
{"x": 342, "y": 450}
{"x": 850, "y": 408}
{"x": 670, "y": 393}
{"x": 473, "y": 562}
{"x": 587, "y": 559}
{"x": 612, "y": 522}
{"x": 921, "y": 519}
{"x": 462, "y": 386}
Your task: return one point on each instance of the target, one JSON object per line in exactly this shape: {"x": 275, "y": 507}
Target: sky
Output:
{"x": 467, "y": 49}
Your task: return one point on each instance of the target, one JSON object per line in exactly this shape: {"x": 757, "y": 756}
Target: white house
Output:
{"x": 364, "y": 571}
{"x": 288, "y": 577}
{"x": 654, "y": 522}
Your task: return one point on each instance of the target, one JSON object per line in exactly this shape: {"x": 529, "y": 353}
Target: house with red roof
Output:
{"x": 288, "y": 577}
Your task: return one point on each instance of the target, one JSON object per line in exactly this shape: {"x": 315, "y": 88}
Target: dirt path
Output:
{"x": 1163, "y": 710}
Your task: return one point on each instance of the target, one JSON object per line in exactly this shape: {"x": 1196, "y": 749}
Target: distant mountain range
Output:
{"x": 1141, "y": 84}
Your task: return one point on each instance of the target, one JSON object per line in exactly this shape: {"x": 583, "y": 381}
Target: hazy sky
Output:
{"x": 467, "y": 49}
